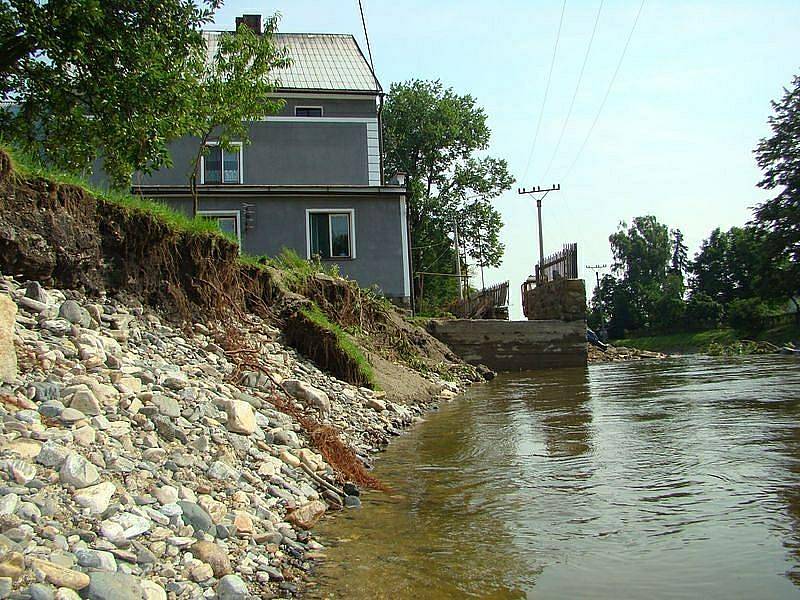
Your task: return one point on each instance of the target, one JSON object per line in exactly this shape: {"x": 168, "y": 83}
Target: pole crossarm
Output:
{"x": 544, "y": 191}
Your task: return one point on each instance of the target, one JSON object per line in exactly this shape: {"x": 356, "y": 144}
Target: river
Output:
{"x": 664, "y": 479}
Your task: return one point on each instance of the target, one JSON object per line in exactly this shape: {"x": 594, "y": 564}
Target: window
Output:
{"x": 307, "y": 111}
{"x": 226, "y": 220}
{"x": 221, "y": 166}
{"x": 330, "y": 234}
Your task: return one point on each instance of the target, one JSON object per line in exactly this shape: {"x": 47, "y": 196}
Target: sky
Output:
{"x": 675, "y": 134}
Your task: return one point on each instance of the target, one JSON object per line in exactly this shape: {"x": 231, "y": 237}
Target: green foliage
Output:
{"x": 235, "y": 87}
{"x": 296, "y": 271}
{"x": 747, "y": 314}
{"x": 344, "y": 341}
{"x": 642, "y": 251}
{"x": 435, "y": 136}
{"x": 730, "y": 265}
{"x": 115, "y": 76}
{"x": 779, "y": 218}
{"x": 703, "y": 312}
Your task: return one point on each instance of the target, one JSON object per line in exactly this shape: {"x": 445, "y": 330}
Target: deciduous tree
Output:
{"x": 113, "y": 75}
{"x": 436, "y": 136}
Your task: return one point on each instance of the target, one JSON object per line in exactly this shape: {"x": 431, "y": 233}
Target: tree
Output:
{"x": 646, "y": 291}
{"x": 779, "y": 218}
{"x": 235, "y": 87}
{"x": 434, "y": 135}
{"x": 114, "y": 76}
{"x": 730, "y": 265}
{"x": 680, "y": 261}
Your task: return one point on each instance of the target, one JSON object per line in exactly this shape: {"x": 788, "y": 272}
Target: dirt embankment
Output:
{"x": 64, "y": 236}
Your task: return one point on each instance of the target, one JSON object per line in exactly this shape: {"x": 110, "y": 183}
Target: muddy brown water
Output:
{"x": 670, "y": 479}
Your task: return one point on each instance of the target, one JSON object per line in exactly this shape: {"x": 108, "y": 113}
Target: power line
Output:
{"x": 575, "y": 93}
{"x": 608, "y": 91}
{"x": 366, "y": 36}
{"x": 546, "y": 89}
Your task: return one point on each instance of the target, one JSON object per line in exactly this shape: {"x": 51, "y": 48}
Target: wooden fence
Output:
{"x": 489, "y": 303}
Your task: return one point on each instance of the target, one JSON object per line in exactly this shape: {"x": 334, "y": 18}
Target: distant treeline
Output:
{"x": 742, "y": 277}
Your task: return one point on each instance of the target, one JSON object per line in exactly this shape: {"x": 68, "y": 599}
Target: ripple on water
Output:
{"x": 672, "y": 479}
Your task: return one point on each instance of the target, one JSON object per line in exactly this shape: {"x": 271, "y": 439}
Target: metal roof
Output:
{"x": 320, "y": 62}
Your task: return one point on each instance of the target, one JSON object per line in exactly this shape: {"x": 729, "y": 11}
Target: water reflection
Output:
{"x": 675, "y": 479}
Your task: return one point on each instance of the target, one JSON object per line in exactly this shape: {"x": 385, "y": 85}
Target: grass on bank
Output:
{"x": 29, "y": 166}
{"x": 314, "y": 313}
{"x": 700, "y": 341}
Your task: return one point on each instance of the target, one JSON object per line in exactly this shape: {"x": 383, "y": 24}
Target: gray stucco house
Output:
{"x": 311, "y": 177}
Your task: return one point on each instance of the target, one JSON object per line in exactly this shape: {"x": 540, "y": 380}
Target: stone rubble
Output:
{"x": 137, "y": 462}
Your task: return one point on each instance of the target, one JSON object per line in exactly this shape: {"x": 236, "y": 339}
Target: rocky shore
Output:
{"x": 620, "y": 354}
{"x": 140, "y": 460}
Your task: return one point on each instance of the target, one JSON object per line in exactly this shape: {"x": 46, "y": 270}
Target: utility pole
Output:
{"x": 539, "y": 190}
{"x": 597, "y": 269}
{"x": 458, "y": 261}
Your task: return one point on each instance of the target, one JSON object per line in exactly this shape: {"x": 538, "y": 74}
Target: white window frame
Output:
{"x": 226, "y": 213}
{"x": 337, "y": 211}
{"x": 321, "y": 111}
{"x": 241, "y": 164}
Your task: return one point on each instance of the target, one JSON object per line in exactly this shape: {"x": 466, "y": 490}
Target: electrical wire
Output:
{"x": 608, "y": 91}
{"x": 575, "y": 93}
{"x": 369, "y": 48}
{"x": 546, "y": 90}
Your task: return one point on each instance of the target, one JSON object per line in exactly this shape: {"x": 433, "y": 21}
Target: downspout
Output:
{"x": 380, "y": 134}
{"x": 412, "y": 296}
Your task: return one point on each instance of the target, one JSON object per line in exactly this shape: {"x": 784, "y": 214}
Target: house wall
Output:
{"x": 280, "y": 222}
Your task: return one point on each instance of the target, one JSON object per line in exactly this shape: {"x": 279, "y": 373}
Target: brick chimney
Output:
{"x": 252, "y": 21}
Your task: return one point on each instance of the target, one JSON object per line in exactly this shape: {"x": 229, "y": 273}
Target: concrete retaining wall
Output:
{"x": 515, "y": 345}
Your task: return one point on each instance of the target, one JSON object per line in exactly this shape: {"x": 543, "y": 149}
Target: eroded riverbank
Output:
{"x": 674, "y": 478}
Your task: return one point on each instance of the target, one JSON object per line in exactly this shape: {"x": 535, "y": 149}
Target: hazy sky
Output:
{"x": 674, "y": 139}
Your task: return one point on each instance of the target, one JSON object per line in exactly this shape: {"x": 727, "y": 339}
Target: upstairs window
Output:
{"x": 226, "y": 220}
{"x": 220, "y": 165}
{"x": 331, "y": 234}
{"x": 307, "y": 111}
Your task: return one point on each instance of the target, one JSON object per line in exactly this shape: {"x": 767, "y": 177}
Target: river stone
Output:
{"x": 306, "y": 516}
{"x": 35, "y": 291}
{"x": 85, "y": 401}
{"x": 52, "y": 455}
{"x": 24, "y": 448}
{"x": 8, "y": 355}
{"x": 59, "y": 576}
{"x": 166, "y": 494}
{"x": 78, "y": 472}
{"x": 20, "y": 470}
{"x": 96, "y": 498}
{"x": 75, "y": 313}
{"x": 214, "y": 555}
{"x": 195, "y": 516}
{"x": 96, "y": 559}
{"x": 12, "y": 565}
{"x": 223, "y": 472}
{"x": 241, "y": 417}
{"x": 8, "y": 505}
{"x": 41, "y": 591}
{"x": 307, "y": 394}
{"x": 66, "y": 594}
{"x": 167, "y": 406}
{"x": 114, "y": 586}
{"x": 71, "y": 415}
{"x": 46, "y": 390}
{"x": 231, "y": 587}
{"x": 152, "y": 591}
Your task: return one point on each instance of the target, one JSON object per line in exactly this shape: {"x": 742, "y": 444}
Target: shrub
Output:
{"x": 703, "y": 312}
{"x": 747, "y": 314}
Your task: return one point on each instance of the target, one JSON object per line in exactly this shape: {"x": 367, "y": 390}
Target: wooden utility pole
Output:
{"x": 597, "y": 269}
{"x": 544, "y": 191}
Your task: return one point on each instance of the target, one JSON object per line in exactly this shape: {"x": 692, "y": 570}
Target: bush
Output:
{"x": 703, "y": 312}
{"x": 748, "y": 314}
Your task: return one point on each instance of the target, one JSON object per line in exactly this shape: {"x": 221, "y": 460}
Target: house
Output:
{"x": 311, "y": 177}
